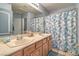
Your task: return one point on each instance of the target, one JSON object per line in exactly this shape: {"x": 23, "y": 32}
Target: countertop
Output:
{"x": 6, "y": 50}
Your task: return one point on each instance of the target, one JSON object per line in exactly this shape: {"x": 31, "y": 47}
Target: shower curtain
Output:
{"x": 37, "y": 25}
{"x": 62, "y": 26}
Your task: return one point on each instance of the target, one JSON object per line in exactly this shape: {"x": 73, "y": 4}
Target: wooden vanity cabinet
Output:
{"x": 37, "y": 52}
{"x": 39, "y": 48}
{"x": 28, "y": 50}
{"x": 49, "y": 43}
{"x": 39, "y": 44}
{"x": 18, "y": 53}
{"x": 45, "y": 47}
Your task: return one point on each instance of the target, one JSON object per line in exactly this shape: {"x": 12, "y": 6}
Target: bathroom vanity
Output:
{"x": 38, "y": 46}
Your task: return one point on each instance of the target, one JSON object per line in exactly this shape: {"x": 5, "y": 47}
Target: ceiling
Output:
{"x": 50, "y": 7}
{"x": 23, "y": 7}
{"x": 56, "y": 6}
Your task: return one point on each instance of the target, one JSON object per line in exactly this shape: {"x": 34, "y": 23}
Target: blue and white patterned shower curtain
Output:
{"x": 63, "y": 28}
{"x": 72, "y": 31}
{"x": 37, "y": 25}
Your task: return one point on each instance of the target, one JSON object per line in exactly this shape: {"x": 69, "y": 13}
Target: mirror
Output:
{"x": 17, "y": 23}
{"x": 4, "y": 23}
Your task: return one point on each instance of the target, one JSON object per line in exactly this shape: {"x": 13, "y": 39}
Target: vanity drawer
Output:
{"x": 29, "y": 49}
{"x": 44, "y": 41}
{"x": 38, "y": 44}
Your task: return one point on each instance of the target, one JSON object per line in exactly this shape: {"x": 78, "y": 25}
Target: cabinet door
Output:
{"x": 38, "y": 44}
{"x": 29, "y": 49}
{"x": 45, "y": 49}
{"x": 37, "y": 52}
{"x": 18, "y": 53}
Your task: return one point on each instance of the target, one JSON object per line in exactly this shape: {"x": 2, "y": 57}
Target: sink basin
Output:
{"x": 20, "y": 42}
